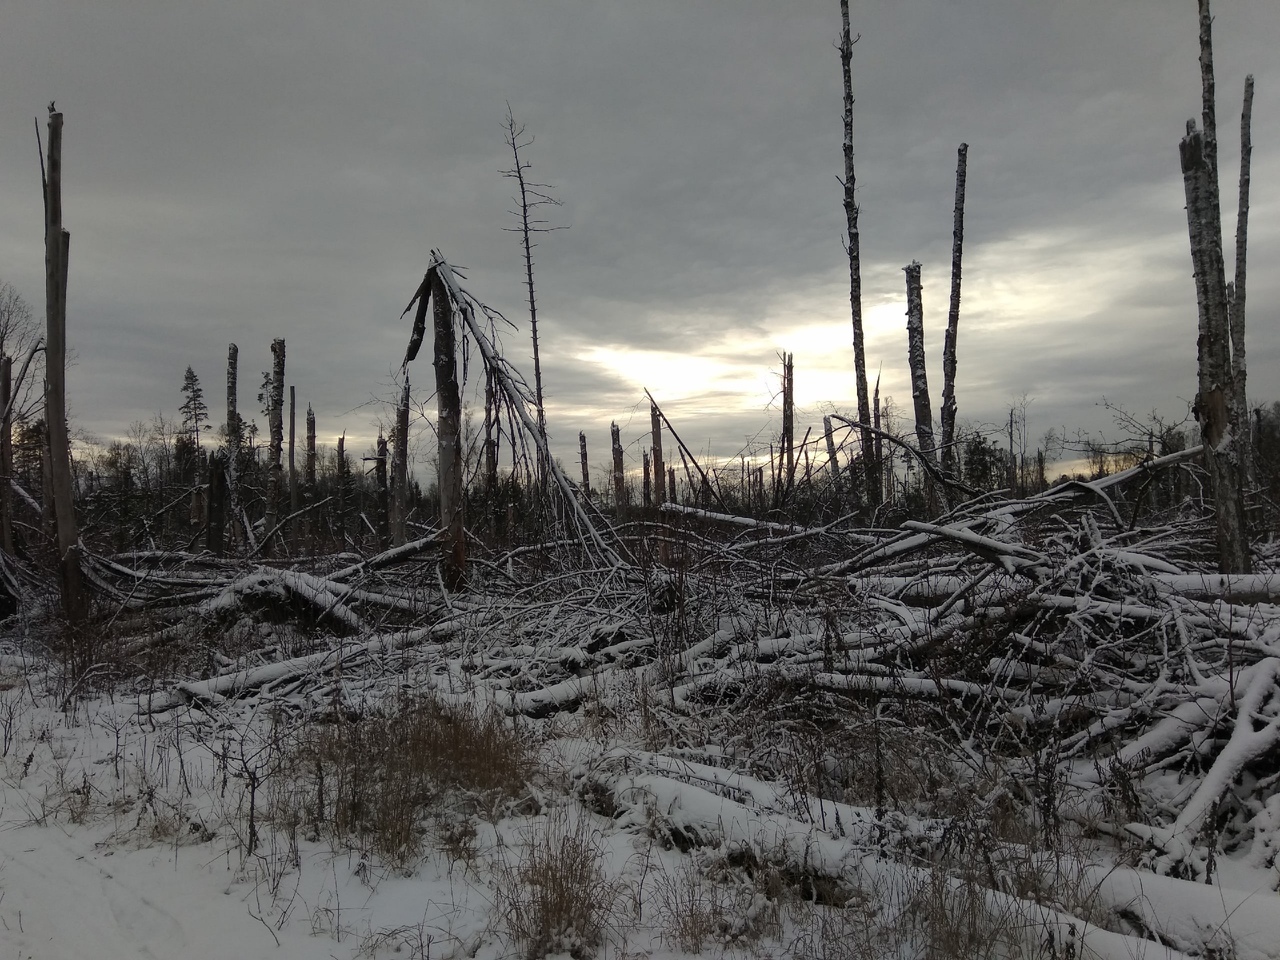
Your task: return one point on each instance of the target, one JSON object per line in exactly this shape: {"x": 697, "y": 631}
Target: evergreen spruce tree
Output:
{"x": 194, "y": 410}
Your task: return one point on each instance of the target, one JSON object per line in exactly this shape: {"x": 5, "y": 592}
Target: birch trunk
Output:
{"x": 1216, "y": 408}
{"x": 449, "y": 435}
{"x": 920, "y": 381}
{"x": 75, "y": 601}
{"x": 871, "y": 461}
{"x": 619, "y": 479}
{"x": 659, "y": 474}
{"x": 275, "y": 421}
{"x": 1237, "y": 306}
{"x": 582, "y": 456}
{"x": 949, "y": 464}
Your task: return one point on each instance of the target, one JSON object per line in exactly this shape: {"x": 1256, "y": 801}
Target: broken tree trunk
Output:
{"x": 647, "y": 489}
{"x": 788, "y": 421}
{"x": 340, "y": 509}
{"x": 75, "y": 600}
{"x": 215, "y": 531}
{"x": 449, "y": 435}
{"x": 619, "y": 481}
{"x": 582, "y": 456}
{"x": 871, "y": 463}
{"x": 400, "y": 472}
{"x": 1221, "y": 431}
{"x": 235, "y": 434}
{"x": 949, "y": 459}
{"x": 309, "y": 469}
{"x": 275, "y": 421}
{"x": 380, "y": 481}
{"x": 920, "y": 379}
{"x": 833, "y": 462}
{"x": 6, "y": 455}
{"x": 659, "y": 474}
{"x": 295, "y": 496}
{"x": 1236, "y": 298}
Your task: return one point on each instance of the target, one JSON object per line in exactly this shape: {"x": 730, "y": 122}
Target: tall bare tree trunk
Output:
{"x": 582, "y": 455}
{"x": 1216, "y": 409}
{"x": 309, "y": 472}
{"x": 647, "y": 489}
{"x": 400, "y": 468}
{"x": 449, "y": 435}
{"x": 871, "y": 462}
{"x": 789, "y": 419}
{"x": 275, "y": 419}
{"x": 380, "y": 481}
{"x": 1236, "y": 295}
{"x": 619, "y": 479}
{"x": 57, "y": 243}
{"x": 295, "y": 495}
{"x": 6, "y": 456}
{"x": 949, "y": 459}
{"x": 659, "y": 474}
{"x": 235, "y": 434}
{"x": 920, "y": 379}
{"x": 344, "y": 473}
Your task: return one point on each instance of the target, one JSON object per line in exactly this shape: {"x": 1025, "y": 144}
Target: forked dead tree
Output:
{"x": 1223, "y": 424}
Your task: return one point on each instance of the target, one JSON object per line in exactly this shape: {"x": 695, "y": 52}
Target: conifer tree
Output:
{"x": 194, "y": 410}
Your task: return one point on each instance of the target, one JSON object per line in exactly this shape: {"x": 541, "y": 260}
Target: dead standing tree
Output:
{"x": 949, "y": 459}
{"x": 532, "y": 197}
{"x": 871, "y": 463}
{"x": 57, "y": 243}
{"x": 1223, "y": 424}
{"x": 452, "y": 301}
{"x": 275, "y": 417}
{"x": 919, "y": 375}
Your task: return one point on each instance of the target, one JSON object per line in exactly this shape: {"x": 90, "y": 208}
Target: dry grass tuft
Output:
{"x": 557, "y": 898}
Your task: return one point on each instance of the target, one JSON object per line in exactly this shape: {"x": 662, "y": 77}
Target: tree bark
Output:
{"x": 659, "y": 474}
{"x": 789, "y": 420}
{"x": 1239, "y": 370}
{"x": 341, "y": 509}
{"x": 400, "y": 470}
{"x": 215, "y": 530}
{"x": 235, "y": 434}
{"x": 6, "y": 456}
{"x": 619, "y": 479}
{"x": 449, "y": 434}
{"x": 871, "y": 462}
{"x": 647, "y": 489}
{"x": 309, "y": 471}
{"x": 920, "y": 378}
{"x": 582, "y": 456}
{"x": 75, "y": 600}
{"x": 275, "y": 418}
{"x": 295, "y": 498}
{"x": 949, "y": 464}
{"x": 1216, "y": 405}
{"x": 384, "y": 502}
{"x": 833, "y": 462}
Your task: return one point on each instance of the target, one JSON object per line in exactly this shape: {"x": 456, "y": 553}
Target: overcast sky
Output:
{"x": 239, "y": 171}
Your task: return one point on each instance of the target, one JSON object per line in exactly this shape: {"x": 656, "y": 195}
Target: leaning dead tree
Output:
{"x": 953, "y": 320}
{"x": 1223, "y": 424}
{"x": 454, "y": 304}
{"x": 57, "y": 243}
{"x": 871, "y": 465}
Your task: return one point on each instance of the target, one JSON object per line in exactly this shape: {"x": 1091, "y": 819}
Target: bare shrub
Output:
{"x": 718, "y": 901}
{"x": 373, "y": 779}
{"x": 557, "y": 898}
